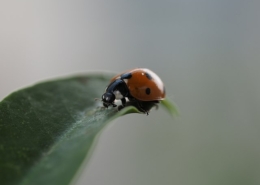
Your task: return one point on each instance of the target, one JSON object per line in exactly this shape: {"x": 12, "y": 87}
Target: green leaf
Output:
{"x": 170, "y": 107}
{"x": 47, "y": 130}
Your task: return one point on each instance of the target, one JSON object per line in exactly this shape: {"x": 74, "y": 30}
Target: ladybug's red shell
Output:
{"x": 143, "y": 84}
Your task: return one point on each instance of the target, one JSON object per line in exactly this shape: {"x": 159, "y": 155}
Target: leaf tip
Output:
{"x": 170, "y": 107}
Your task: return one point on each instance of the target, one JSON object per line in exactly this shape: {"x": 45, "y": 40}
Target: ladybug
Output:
{"x": 142, "y": 87}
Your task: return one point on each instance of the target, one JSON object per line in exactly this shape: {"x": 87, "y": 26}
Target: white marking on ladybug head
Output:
{"x": 118, "y": 95}
{"x": 126, "y": 80}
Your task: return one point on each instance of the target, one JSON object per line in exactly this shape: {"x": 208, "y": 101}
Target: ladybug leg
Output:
{"x": 140, "y": 107}
{"x": 120, "y": 107}
{"x": 145, "y": 107}
{"x": 123, "y": 102}
{"x": 107, "y": 105}
{"x": 156, "y": 106}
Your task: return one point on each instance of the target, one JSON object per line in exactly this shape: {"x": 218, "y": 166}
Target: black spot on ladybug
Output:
{"x": 147, "y": 91}
{"x": 126, "y": 76}
{"x": 148, "y": 76}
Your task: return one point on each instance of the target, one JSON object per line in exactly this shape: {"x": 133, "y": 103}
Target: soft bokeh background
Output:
{"x": 206, "y": 52}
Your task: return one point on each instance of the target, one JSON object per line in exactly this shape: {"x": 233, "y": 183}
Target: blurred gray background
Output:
{"x": 206, "y": 52}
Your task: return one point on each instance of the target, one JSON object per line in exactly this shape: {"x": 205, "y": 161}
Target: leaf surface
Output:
{"x": 46, "y": 131}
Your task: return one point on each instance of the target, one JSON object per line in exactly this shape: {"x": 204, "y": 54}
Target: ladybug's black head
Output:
{"x": 108, "y": 99}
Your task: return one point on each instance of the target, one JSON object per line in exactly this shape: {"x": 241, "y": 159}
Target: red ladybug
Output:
{"x": 143, "y": 88}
